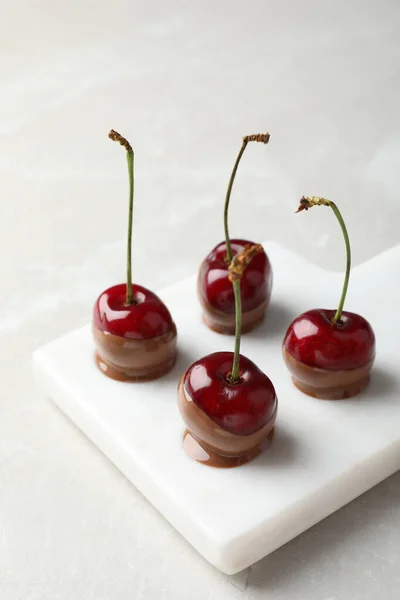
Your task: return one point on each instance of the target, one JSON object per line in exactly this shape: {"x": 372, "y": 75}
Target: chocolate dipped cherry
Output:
{"x": 214, "y": 288}
{"x": 133, "y": 330}
{"x": 330, "y": 352}
{"x": 227, "y": 403}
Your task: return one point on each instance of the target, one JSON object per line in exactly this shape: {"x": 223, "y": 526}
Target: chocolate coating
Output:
{"x": 203, "y": 454}
{"x": 126, "y": 359}
{"x": 224, "y": 449}
{"x": 325, "y": 384}
{"x": 225, "y": 322}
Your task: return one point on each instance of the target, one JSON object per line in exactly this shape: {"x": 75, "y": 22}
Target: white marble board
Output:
{"x": 324, "y": 454}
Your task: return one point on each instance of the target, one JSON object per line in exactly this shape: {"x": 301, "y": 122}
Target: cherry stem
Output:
{"x": 307, "y": 202}
{"x": 235, "y": 374}
{"x": 257, "y": 137}
{"x": 227, "y": 199}
{"x": 116, "y": 137}
{"x": 236, "y": 269}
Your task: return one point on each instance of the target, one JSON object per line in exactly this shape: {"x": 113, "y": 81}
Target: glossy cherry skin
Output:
{"x": 241, "y": 408}
{"x": 314, "y": 340}
{"x": 215, "y": 288}
{"x": 147, "y": 318}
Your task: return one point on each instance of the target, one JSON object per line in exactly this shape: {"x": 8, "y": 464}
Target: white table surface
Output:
{"x": 184, "y": 81}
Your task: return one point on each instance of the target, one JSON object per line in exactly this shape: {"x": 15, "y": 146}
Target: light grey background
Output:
{"x": 183, "y": 81}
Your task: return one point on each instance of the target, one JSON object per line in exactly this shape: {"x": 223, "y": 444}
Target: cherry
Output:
{"x": 242, "y": 408}
{"x": 133, "y": 329}
{"x": 147, "y": 318}
{"x": 228, "y": 404}
{"x": 315, "y": 340}
{"x": 214, "y": 288}
{"x": 330, "y": 352}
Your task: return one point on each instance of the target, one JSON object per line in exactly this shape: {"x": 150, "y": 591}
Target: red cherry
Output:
{"x": 216, "y": 290}
{"x": 240, "y": 408}
{"x": 316, "y": 341}
{"x": 330, "y": 352}
{"x": 147, "y": 318}
{"x": 133, "y": 331}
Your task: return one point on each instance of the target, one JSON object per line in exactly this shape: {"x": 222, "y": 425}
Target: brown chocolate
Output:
{"x": 207, "y": 442}
{"x": 221, "y": 322}
{"x": 327, "y": 385}
{"x": 125, "y": 359}
{"x": 203, "y": 454}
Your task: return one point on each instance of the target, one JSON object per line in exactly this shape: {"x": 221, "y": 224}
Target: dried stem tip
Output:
{"x": 307, "y": 202}
{"x": 257, "y": 137}
{"x": 239, "y": 262}
{"x": 117, "y": 137}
